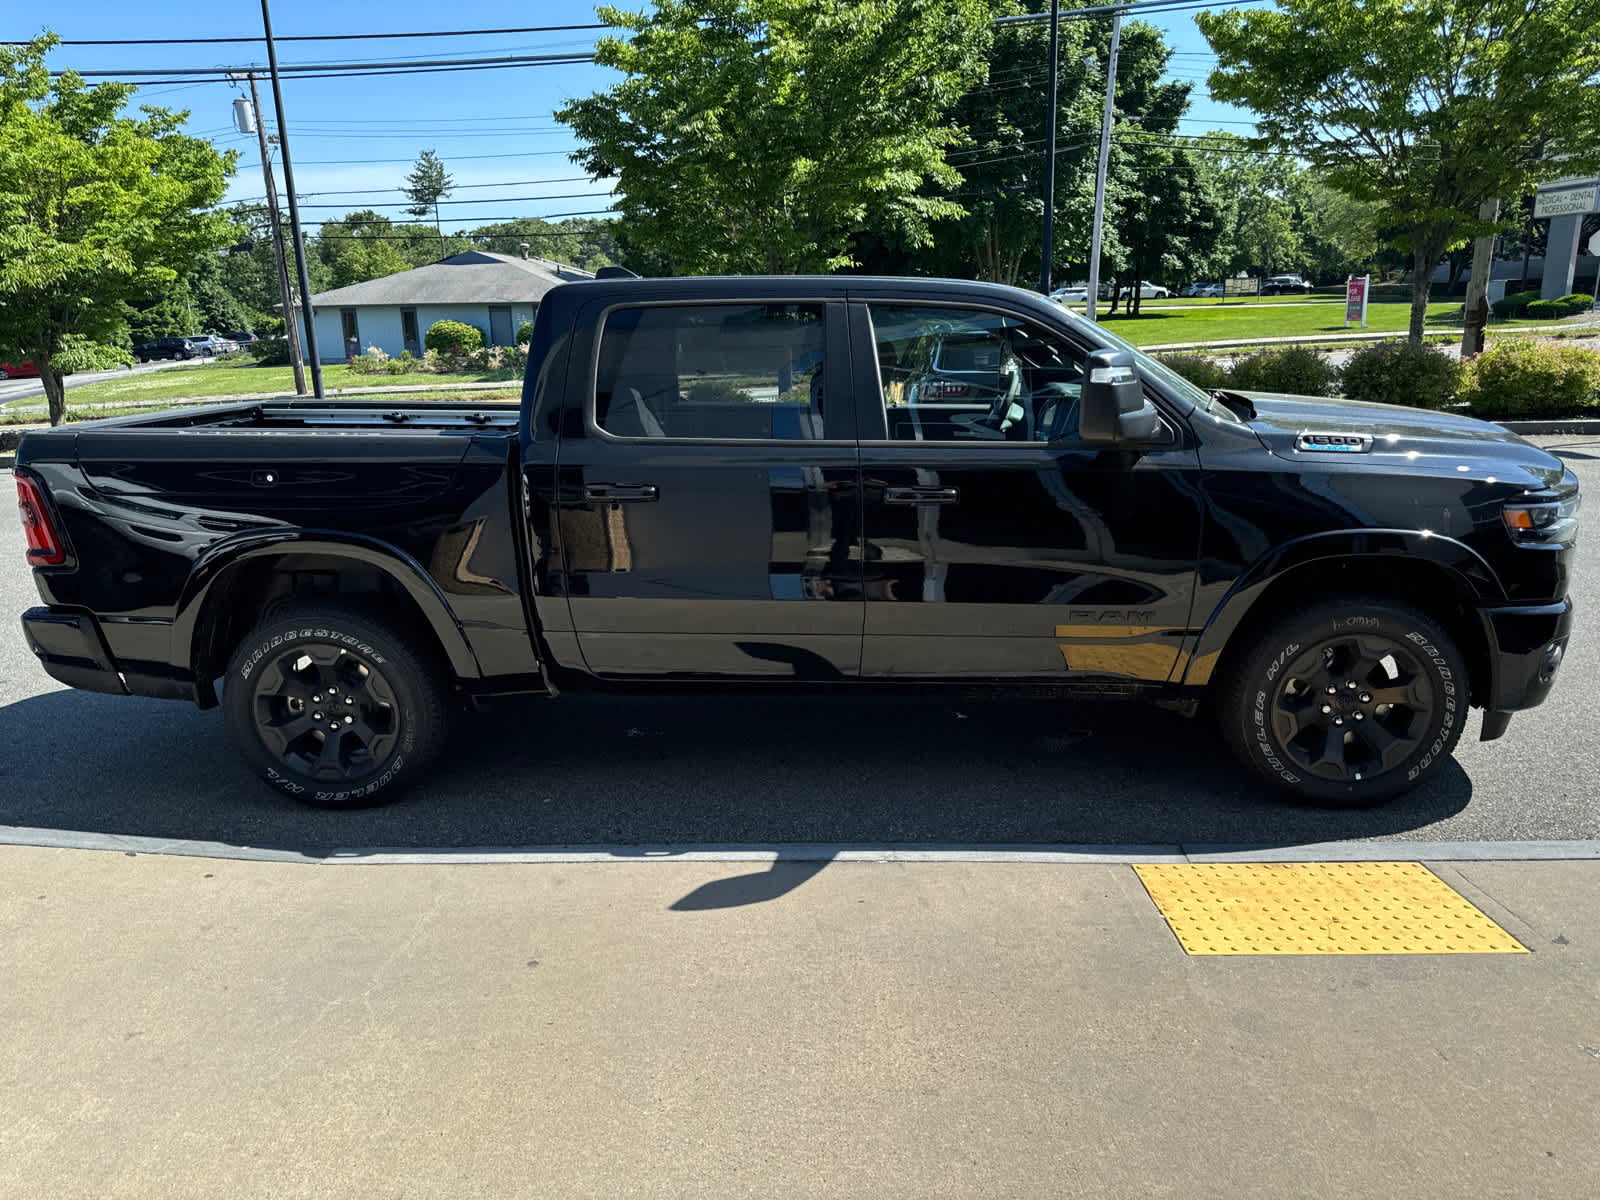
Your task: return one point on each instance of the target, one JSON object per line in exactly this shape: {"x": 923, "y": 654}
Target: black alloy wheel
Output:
{"x": 334, "y": 707}
{"x": 324, "y": 712}
{"x": 1352, "y": 707}
{"x": 1345, "y": 702}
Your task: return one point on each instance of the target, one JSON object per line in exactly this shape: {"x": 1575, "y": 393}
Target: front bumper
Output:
{"x": 1526, "y": 647}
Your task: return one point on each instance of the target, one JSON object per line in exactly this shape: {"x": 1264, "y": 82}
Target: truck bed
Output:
{"x": 352, "y": 413}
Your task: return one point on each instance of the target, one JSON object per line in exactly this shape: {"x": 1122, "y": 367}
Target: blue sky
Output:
{"x": 353, "y": 140}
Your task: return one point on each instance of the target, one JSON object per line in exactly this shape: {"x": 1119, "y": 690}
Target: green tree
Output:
{"x": 1422, "y": 108}
{"x": 1338, "y": 231}
{"x": 360, "y": 246}
{"x": 97, "y": 210}
{"x": 426, "y": 186}
{"x": 246, "y": 267}
{"x": 999, "y": 157}
{"x": 756, "y": 135}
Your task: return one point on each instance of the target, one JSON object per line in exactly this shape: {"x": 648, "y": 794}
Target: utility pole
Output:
{"x": 1050, "y": 152}
{"x": 1100, "y": 173}
{"x": 294, "y": 209}
{"x": 291, "y": 329}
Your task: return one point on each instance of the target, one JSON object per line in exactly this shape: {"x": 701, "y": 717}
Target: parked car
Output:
{"x": 21, "y": 370}
{"x": 1208, "y": 290}
{"x": 1283, "y": 285}
{"x": 164, "y": 347}
{"x": 674, "y": 508}
{"x": 1147, "y": 291}
{"x": 240, "y": 338}
{"x": 207, "y": 345}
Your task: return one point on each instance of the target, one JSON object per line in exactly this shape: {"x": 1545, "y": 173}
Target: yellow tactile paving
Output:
{"x": 1319, "y": 908}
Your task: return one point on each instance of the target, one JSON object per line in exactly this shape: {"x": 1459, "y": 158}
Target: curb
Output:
{"x": 1354, "y": 338}
{"x": 1579, "y": 850}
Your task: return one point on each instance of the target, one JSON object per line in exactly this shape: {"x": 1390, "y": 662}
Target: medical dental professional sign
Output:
{"x": 1355, "y": 299}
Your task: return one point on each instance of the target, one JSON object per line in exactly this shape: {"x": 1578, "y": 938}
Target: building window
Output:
{"x": 408, "y": 330}
{"x": 352, "y": 332}
{"x": 500, "y": 325}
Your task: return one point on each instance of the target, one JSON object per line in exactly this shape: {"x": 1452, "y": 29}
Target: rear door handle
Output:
{"x": 920, "y": 495}
{"x": 621, "y": 493}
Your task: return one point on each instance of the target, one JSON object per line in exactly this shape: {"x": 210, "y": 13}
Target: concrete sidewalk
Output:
{"x": 182, "y": 1026}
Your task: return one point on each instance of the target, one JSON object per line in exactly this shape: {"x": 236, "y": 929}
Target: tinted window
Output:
{"x": 712, "y": 371}
{"x": 951, "y": 374}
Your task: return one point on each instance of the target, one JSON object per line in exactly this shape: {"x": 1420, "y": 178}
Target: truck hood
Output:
{"x": 1311, "y": 429}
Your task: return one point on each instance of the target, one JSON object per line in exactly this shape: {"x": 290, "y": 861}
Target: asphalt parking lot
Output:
{"x": 780, "y": 771}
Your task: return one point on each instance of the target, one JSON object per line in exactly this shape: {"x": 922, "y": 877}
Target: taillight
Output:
{"x": 45, "y": 547}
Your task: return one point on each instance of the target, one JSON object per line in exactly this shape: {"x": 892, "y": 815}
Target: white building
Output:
{"x": 494, "y": 292}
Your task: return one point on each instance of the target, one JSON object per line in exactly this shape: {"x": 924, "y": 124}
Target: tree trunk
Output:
{"x": 1425, "y": 257}
{"x": 1475, "y": 310}
{"x": 55, "y": 392}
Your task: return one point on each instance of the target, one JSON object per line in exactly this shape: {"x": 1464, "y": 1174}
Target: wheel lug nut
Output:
{"x": 1338, "y": 720}
{"x": 1361, "y": 716}
{"x": 349, "y": 720}
{"x": 316, "y": 716}
{"x": 1366, "y": 698}
{"x": 1332, "y": 690}
{"x": 1327, "y": 708}
{"x": 1351, "y": 685}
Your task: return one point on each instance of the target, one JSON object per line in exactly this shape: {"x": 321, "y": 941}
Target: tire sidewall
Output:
{"x": 368, "y": 646}
{"x": 1434, "y": 653}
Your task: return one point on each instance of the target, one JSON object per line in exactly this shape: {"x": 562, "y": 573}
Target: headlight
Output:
{"x": 1542, "y": 522}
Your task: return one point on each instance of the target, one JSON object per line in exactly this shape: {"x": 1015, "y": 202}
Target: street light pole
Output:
{"x": 291, "y": 330}
{"x": 1050, "y": 152}
{"x": 294, "y": 209}
{"x": 1100, "y": 171}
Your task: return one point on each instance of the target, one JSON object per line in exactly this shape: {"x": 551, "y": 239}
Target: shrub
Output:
{"x": 270, "y": 352}
{"x": 1515, "y": 304}
{"x": 1196, "y": 368}
{"x": 1521, "y": 377}
{"x": 1297, "y": 370}
{"x": 1400, "y": 373}
{"x": 371, "y": 363}
{"x": 453, "y": 338}
{"x": 524, "y": 333}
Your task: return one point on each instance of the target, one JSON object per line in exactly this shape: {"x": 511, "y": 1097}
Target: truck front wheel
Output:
{"x": 1346, "y": 702}
{"x": 332, "y": 707}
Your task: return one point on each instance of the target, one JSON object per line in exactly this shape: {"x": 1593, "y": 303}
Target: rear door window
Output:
{"x": 714, "y": 371}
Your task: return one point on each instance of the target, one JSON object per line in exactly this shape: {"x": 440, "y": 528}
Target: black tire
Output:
{"x": 1395, "y": 711}
{"x": 315, "y": 663}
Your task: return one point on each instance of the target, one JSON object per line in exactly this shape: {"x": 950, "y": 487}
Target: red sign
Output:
{"x": 1355, "y": 300}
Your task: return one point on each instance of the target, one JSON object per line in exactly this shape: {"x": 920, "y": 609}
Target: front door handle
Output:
{"x": 920, "y": 495}
{"x": 621, "y": 493}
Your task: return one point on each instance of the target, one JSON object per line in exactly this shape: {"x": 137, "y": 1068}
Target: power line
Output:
{"x": 478, "y": 200}
{"x": 361, "y": 67}
{"x": 324, "y": 37}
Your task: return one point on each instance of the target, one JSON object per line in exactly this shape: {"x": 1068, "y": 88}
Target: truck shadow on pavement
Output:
{"x": 790, "y": 774}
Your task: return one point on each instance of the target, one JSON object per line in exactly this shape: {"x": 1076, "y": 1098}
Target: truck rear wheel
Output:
{"x": 332, "y": 707}
{"x": 1346, "y": 702}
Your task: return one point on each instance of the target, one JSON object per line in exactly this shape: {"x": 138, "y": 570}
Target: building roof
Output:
{"x": 472, "y": 277}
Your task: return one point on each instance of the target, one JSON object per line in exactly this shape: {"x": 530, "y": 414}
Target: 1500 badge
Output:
{"x": 1337, "y": 443}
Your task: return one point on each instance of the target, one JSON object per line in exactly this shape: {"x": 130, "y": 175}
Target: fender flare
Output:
{"x": 221, "y": 560}
{"x": 1464, "y": 566}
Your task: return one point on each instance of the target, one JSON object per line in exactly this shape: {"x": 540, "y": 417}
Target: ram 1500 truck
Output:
{"x": 809, "y": 483}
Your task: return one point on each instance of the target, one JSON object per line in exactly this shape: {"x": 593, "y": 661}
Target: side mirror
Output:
{"x": 1113, "y": 410}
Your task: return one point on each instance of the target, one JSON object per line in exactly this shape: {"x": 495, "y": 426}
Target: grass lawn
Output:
{"x": 226, "y": 379}
{"x": 1220, "y": 323}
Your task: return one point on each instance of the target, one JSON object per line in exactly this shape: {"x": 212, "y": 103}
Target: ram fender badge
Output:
{"x": 1336, "y": 443}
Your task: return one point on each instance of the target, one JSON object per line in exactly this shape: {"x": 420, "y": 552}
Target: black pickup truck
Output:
{"x": 809, "y": 483}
